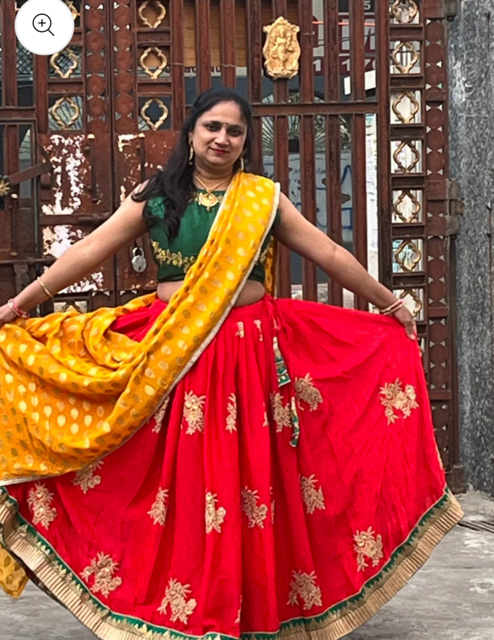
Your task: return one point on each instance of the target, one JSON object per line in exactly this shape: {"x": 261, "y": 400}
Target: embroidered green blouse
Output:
{"x": 175, "y": 258}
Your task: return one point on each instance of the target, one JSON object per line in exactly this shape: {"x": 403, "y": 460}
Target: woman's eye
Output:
{"x": 212, "y": 127}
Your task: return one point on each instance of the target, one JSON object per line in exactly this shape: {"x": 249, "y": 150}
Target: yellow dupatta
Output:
{"x": 71, "y": 390}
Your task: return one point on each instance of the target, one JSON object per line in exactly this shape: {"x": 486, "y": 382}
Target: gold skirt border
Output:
{"x": 38, "y": 557}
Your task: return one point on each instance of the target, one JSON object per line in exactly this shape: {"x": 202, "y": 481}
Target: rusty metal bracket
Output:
{"x": 89, "y": 150}
{"x": 7, "y": 182}
{"x": 47, "y": 179}
{"x": 455, "y": 208}
{"x": 31, "y": 262}
{"x": 13, "y": 223}
{"x": 141, "y": 148}
{"x": 22, "y": 279}
{"x": 32, "y": 172}
{"x": 90, "y": 218}
{"x": 450, "y": 9}
{"x": 22, "y": 267}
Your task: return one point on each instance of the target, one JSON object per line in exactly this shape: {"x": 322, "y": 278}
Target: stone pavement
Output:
{"x": 451, "y": 598}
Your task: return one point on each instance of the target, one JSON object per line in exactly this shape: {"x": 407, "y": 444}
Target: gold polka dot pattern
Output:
{"x": 67, "y": 382}
{"x": 12, "y": 576}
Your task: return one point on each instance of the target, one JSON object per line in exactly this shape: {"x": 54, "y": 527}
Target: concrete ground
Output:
{"x": 451, "y": 598}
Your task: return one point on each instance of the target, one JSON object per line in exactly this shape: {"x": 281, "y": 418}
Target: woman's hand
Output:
{"x": 6, "y": 315}
{"x": 405, "y": 317}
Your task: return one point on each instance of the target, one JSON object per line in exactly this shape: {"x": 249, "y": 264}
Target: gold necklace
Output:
{"x": 208, "y": 200}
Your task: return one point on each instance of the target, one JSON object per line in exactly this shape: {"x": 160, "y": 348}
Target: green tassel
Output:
{"x": 281, "y": 369}
{"x": 295, "y": 422}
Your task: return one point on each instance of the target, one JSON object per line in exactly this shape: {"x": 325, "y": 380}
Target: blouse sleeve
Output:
{"x": 155, "y": 210}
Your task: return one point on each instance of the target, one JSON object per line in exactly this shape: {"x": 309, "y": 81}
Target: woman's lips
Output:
{"x": 219, "y": 151}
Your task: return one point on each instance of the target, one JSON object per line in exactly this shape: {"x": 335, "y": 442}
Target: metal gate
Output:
{"x": 357, "y": 138}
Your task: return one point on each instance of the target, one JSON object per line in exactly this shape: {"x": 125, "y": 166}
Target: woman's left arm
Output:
{"x": 301, "y": 236}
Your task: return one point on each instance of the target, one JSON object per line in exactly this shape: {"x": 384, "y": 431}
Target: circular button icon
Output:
{"x": 47, "y": 32}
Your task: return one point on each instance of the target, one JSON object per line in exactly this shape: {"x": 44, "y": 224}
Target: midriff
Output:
{"x": 251, "y": 293}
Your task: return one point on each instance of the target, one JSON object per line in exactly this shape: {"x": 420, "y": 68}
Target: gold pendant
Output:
{"x": 207, "y": 200}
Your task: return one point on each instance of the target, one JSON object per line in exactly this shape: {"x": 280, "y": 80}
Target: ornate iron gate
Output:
{"x": 358, "y": 138}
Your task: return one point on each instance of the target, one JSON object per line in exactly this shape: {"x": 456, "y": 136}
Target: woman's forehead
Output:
{"x": 227, "y": 113}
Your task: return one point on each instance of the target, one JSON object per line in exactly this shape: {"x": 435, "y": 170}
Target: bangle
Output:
{"x": 18, "y": 312}
{"x": 45, "y": 288}
{"x": 393, "y": 308}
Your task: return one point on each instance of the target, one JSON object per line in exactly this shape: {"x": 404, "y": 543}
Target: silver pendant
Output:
{"x": 139, "y": 262}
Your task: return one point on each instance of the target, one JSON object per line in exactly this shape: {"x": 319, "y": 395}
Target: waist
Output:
{"x": 251, "y": 293}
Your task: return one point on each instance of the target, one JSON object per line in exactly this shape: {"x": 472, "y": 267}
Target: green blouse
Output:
{"x": 175, "y": 258}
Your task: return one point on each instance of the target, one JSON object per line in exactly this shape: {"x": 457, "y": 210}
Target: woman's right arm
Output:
{"x": 125, "y": 225}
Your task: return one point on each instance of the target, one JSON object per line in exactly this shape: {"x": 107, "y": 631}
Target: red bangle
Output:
{"x": 18, "y": 312}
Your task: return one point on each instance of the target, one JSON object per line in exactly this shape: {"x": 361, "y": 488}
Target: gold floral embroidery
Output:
{"x": 39, "y": 501}
{"x": 281, "y": 413}
{"x": 102, "y": 569}
{"x": 395, "y": 398}
{"x": 304, "y": 586}
{"x": 214, "y": 516}
{"x": 177, "y": 259}
{"x": 176, "y": 596}
{"x": 231, "y": 419}
{"x": 368, "y": 545}
{"x": 258, "y": 324}
{"x": 159, "y": 509}
{"x": 273, "y": 505}
{"x": 194, "y": 412}
{"x": 308, "y": 392}
{"x": 254, "y": 512}
{"x": 160, "y": 415}
{"x": 241, "y": 330}
{"x": 313, "y": 498}
{"x": 266, "y": 421}
{"x": 86, "y": 478}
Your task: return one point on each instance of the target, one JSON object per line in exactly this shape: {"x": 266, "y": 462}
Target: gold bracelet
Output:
{"x": 45, "y": 288}
{"x": 393, "y": 308}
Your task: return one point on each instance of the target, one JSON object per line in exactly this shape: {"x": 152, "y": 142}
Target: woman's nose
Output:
{"x": 222, "y": 137}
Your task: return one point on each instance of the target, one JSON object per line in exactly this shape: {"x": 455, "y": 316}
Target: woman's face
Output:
{"x": 219, "y": 136}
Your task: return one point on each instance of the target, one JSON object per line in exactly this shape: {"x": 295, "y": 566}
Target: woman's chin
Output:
{"x": 219, "y": 161}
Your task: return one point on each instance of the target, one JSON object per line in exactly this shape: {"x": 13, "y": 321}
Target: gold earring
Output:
{"x": 242, "y": 164}
{"x": 191, "y": 154}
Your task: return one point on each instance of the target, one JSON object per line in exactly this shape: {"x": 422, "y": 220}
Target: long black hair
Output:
{"x": 174, "y": 183}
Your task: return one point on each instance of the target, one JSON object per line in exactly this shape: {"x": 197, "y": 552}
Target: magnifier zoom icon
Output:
{"x": 42, "y": 23}
{"x": 35, "y": 18}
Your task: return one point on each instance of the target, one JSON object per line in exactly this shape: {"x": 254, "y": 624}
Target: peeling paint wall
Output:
{"x": 56, "y": 240}
{"x": 471, "y": 83}
{"x": 70, "y": 169}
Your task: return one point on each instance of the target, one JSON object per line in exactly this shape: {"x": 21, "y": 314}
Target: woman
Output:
{"x": 210, "y": 461}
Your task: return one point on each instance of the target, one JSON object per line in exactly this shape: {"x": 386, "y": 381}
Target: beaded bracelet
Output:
{"x": 18, "y": 312}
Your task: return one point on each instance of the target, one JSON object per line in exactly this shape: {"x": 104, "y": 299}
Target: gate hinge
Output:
{"x": 455, "y": 208}
{"x": 450, "y": 9}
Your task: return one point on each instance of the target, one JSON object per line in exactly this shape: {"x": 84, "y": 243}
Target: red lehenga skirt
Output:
{"x": 290, "y": 487}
